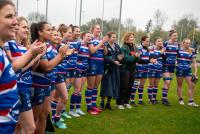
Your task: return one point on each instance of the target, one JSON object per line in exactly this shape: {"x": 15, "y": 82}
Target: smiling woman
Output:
{"x": 8, "y": 84}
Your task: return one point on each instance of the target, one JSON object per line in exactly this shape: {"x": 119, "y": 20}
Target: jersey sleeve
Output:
{"x": 6, "y": 45}
{"x": 165, "y": 44}
{"x": 2, "y": 62}
{"x": 193, "y": 55}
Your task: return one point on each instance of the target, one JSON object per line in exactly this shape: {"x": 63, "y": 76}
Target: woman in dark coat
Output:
{"x": 110, "y": 83}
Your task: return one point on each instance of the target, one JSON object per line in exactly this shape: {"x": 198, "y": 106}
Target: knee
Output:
{"x": 167, "y": 82}
{"x": 31, "y": 129}
{"x": 179, "y": 85}
{"x": 64, "y": 99}
{"x": 192, "y": 87}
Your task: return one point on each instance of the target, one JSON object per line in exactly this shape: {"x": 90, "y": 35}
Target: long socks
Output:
{"x": 155, "y": 90}
{"x": 88, "y": 97}
{"x": 133, "y": 93}
{"x": 140, "y": 92}
{"x": 94, "y": 97}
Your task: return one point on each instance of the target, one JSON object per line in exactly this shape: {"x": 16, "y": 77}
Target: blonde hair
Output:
{"x": 62, "y": 28}
{"x": 190, "y": 49}
{"x": 27, "y": 40}
{"x": 92, "y": 28}
{"x": 126, "y": 37}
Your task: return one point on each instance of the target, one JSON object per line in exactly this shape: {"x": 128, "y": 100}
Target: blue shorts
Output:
{"x": 141, "y": 75}
{"x": 168, "y": 69}
{"x": 157, "y": 74}
{"x": 52, "y": 86}
{"x": 60, "y": 78}
{"x": 95, "y": 67}
{"x": 80, "y": 74}
{"x": 183, "y": 73}
{"x": 71, "y": 73}
{"x": 24, "y": 100}
{"x": 39, "y": 94}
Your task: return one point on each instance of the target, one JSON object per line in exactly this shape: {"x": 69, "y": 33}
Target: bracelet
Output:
{"x": 34, "y": 60}
{"x": 65, "y": 56}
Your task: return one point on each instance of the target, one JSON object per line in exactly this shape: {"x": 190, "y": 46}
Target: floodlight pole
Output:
{"x": 119, "y": 21}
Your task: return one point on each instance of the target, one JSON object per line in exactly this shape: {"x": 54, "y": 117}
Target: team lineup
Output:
{"x": 39, "y": 64}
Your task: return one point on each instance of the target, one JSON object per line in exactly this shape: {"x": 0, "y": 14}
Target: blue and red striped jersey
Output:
{"x": 152, "y": 66}
{"x": 61, "y": 68}
{"x": 25, "y": 81}
{"x": 184, "y": 59}
{"x": 143, "y": 67}
{"x": 40, "y": 77}
{"x": 8, "y": 91}
{"x": 82, "y": 59}
{"x": 99, "y": 54}
{"x": 55, "y": 69}
{"x": 15, "y": 54}
{"x": 71, "y": 62}
{"x": 171, "y": 53}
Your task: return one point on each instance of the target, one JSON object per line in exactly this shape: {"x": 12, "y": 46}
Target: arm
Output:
{"x": 108, "y": 60}
{"x": 93, "y": 49}
{"x": 26, "y": 58}
{"x": 105, "y": 49}
{"x": 49, "y": 65}
{"x": 194, "y": 66}
{"x": 127, "y": 58}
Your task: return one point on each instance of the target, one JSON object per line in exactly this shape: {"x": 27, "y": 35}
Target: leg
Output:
{"x": 141, "y": 87}
{"x": 129, "y": 88}
{"x": 88, "y": 91}
{"x": 150, "y": 87}
{"x": 191, "y": 87}
{"x": 78, "y": 101}
{"x": 41, "y": 122}
{"x": 155, "y": 88}
{"x": 26, "y": 121}
{"x": 62, "y": 92}
{"x": 179, "y": 85}
{"x": 124, "y": 80}
{"x": 95, "y": 89}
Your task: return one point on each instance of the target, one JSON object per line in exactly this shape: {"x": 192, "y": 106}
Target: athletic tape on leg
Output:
{"x": 136, "y": 83}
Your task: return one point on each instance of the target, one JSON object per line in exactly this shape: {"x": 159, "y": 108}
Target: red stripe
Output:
{"x": 16, "y": 54}
{"x": 1, "y": 66}
{"x": 4, "y": 112}
{"x": 7, "y": 85}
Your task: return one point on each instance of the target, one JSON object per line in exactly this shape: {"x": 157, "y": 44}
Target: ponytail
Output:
{"x": 7, "y": 55}
{"x": 35, "y": 27}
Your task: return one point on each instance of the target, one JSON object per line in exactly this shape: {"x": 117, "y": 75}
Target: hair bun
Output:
{"x": 71, "y": 25}
{"x": 172, "y": 31}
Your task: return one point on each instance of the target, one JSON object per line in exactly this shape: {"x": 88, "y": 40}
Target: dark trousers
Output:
{"x": 126, "y": 82}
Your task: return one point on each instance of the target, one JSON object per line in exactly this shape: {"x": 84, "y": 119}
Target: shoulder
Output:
{"x": 165, "y": 43}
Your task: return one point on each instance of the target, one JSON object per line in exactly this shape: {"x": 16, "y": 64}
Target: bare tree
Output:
{"x": 149, "y": 26}
{"x": 35, "y": 17}
{"x": 160, "y": 18}
{"x": 129, "y": 24}
{"x": 187, "y": 23}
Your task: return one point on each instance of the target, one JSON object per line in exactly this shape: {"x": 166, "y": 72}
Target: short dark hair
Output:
{"x": 196, "y": 43}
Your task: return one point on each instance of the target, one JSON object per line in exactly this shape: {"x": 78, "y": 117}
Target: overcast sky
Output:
{"x": 63, "y": 11}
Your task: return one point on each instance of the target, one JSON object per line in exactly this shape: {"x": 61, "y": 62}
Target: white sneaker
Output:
{"x": 80, "y": 112}
{"x": 127, "y": 106}
{"x": 193, "y": 104}
{"x": 73, "y": 113}
{"x": 181, "y": 102}
{"x": 119, "y": 106}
